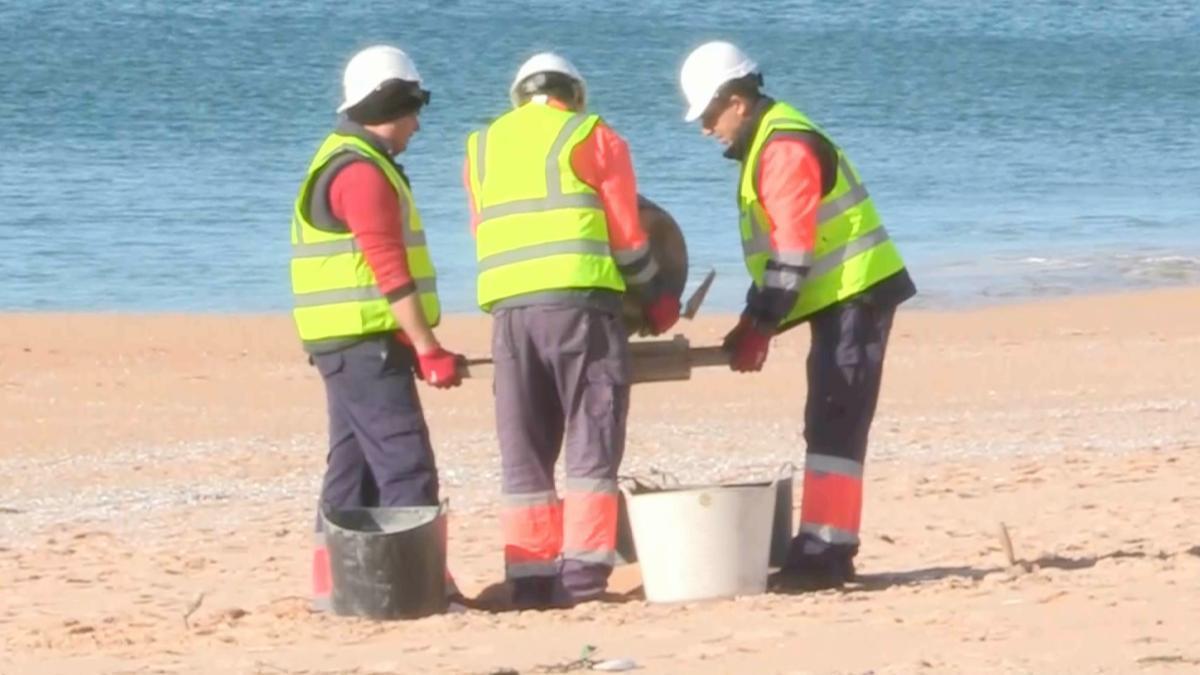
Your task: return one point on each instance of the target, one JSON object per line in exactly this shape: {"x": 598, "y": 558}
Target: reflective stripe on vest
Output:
{"x": 356, "y": 294}
{"x": 334, "y": 290}
{"x": 540, "y": 227}
{"x": 852, "y": 250}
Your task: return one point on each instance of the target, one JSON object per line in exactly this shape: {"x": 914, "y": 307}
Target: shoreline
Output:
{"x": 914, "y": 305}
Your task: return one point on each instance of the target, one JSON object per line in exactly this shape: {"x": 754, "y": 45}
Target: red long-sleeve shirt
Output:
{"x": 604, "y": 163}
{"x": 362, "y": 197}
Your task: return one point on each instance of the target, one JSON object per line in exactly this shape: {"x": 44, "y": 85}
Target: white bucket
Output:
{"x": 703, "y": 542}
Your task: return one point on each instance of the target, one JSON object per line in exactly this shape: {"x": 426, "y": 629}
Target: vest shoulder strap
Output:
{"x": 822, "y": 147}
{"x": 320, "y": 211}
{"x": 811, "y": 135}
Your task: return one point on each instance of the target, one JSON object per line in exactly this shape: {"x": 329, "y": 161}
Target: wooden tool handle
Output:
{"x": 707, "y": 357}
{"x": 476, "y": 368}
{"x": 652, "y": 361}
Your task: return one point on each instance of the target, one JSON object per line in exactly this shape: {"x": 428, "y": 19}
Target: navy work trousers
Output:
{"x": 379, "y": 448}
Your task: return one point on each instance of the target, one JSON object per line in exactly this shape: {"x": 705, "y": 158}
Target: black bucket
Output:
{"x": 626, "y": 553}
{"x": 781, "y": 527}
{"x": 387, "y": 563}
{"x": 781, "y": 521}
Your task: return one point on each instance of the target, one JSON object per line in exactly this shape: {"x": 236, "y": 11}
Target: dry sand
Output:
{"x": 150, "y": 461}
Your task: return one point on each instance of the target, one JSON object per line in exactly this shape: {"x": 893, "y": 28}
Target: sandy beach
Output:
{"x": 158, "y": 477}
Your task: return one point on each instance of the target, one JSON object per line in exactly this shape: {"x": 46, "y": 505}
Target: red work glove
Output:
{"x": 732, "y": 336}
{"x": 661, "y": 314}
{"x": 439, "y": 368}
{"x": 747, "y": 345}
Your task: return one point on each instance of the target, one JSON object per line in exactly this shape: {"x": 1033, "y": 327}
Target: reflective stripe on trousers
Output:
{"x": 831, "y": 508}
{"x": 582, "y": 527}
{"x": 590, "y": 521}
{"x": 322, "y": 579}
{"x": 532, "y": 526}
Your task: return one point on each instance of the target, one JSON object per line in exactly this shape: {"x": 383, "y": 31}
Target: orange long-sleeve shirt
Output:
{"x": 789, "y": 180}
{"x": 794, "y": 172}
{"x": 604, "y": 163}
{"x": 790, "y": 191}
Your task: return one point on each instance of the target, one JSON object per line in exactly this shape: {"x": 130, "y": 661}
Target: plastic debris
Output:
{"x": 615, "y": 665}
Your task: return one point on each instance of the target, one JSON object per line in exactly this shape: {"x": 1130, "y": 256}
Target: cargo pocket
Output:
{"x": 401, "y": 460}
{"x": 397, "y": 423}
{"x": 328, "y": 364}
{"x": 503, "y": 352}
{"x": 398, "y": 359}
{"x": 395, "y": 426}
{"x": 606, "y": 391}
{"x": 605, "y": 408}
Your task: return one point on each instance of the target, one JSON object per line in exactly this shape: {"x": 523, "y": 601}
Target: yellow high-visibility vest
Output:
{"x": 852, "y": 251}
{"x": 541, "y": 228}
{"x": 333, "y": 288}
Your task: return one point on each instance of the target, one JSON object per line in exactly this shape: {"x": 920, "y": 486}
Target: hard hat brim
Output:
{"x": 697, "y": 108}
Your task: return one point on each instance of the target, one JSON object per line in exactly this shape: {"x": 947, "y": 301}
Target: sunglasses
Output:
{"x": 410, "y": 93}
{"x": 715, "y": 108}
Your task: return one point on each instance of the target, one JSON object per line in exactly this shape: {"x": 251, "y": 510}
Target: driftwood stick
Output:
{"x": 1006, "y": 543}
{"x": 195, "y": 605}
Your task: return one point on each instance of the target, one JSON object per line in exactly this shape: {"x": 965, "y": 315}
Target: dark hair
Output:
{"x": 390, "y": 101}
{"x": 746, "y": 86}
{"x": 556, "y": 85}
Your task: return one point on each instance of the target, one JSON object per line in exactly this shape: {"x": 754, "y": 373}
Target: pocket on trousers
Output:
{"x": 397, "y": 359}
{"x": 607, "y": 388}
{"x": 329, "y": 364}
{"x": 401, "y": 423}
{"x": 502, "y": 337}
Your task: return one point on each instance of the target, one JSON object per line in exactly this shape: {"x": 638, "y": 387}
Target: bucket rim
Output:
{"x": 662, "y": 481}
{"x": 679, "y": 489}
{"x": 436, "y": 513}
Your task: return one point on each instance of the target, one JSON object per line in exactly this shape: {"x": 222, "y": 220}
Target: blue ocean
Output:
{"x": 152, "y": 148}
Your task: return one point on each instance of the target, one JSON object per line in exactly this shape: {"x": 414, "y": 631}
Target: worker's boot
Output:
{"x": 582, "y": 582}
{"x": 815, "y": 566}
{"x": 536, "y": 593}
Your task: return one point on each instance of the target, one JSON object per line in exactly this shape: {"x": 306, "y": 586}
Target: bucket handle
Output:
{"x": 656, "y": 480}
{"x": 786, "y": 470}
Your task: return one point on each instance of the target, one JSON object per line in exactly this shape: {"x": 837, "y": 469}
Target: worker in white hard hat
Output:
{"x": 365, "y": 297}
{"x": 817, "y": 253}
{"x": 554, "y": 205}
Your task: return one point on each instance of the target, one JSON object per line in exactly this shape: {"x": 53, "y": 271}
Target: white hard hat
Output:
{"x": 372, "y": 67}
{"x": 709, "y": 66}
{"x": 545, "y": 62}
